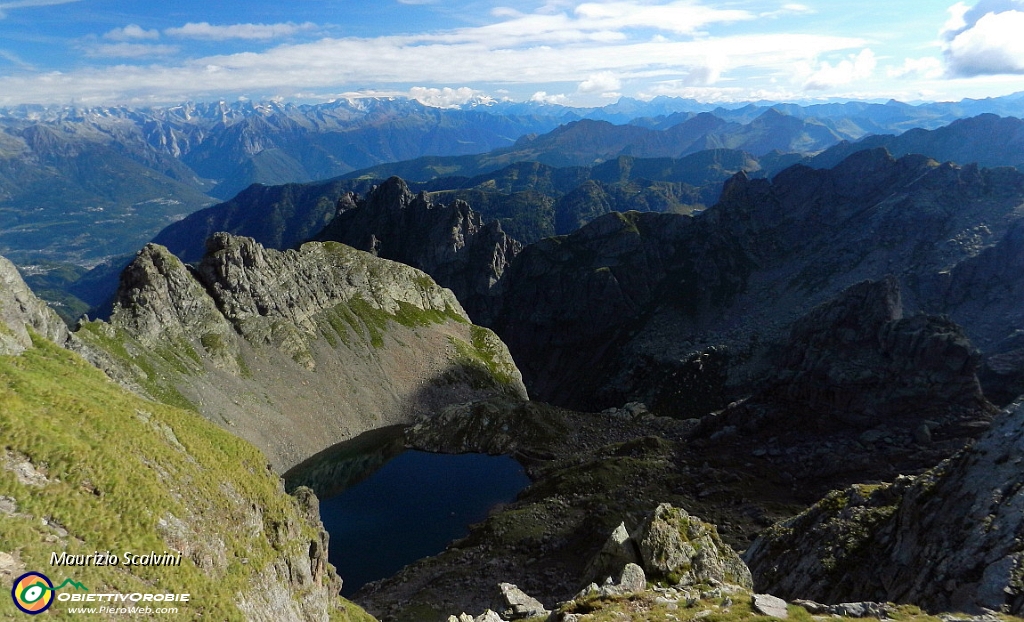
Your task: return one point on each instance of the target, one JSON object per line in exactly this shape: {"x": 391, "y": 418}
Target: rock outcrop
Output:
{"x": 855, "y": 362}
{"x": 297, "y": 350}
{"x": 858, "y": 393}
{"x": 21, "y": 311}
{"x": 451, "y": 243}
{"x": 948, "y": 540}
{"x": 685, "y": 550}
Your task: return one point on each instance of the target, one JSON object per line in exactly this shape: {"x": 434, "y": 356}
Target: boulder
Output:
{"x": 632, "y": 579}
{"x": 519, "y": 604}
{"x": 685, "y": 550}
{"x": 618, "y": 551}
{"x": 769, "y": 605}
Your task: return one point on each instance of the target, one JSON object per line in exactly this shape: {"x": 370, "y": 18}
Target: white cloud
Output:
{"x": 956, "y": 22}
{"x": 446, "y": 97}
{"x": 600, "y": 83}
{"x": 131, "y": 32}
{"x": 927, "y": 67}
{"x": 25, "y": 4}
{"x": 16, "y": 60}
{"x": 990, "y": 44}
{"x": 205, "y": 30}
{"x": 541, "y": 97}
{"x": 790, "y": 8}
{"x": 703, "y": 75}
{"x": 826, "y": 75}
{"x": 593, "y": 46}
{"x": 679, "y": 17}
{"x": 129, "y": 50}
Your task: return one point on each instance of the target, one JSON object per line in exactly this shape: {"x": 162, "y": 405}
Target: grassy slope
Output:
{"x": 115, "y": 466}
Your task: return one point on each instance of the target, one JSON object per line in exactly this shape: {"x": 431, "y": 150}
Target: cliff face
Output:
{"x": 856, "y": 360}
{"x": 20, "y": 311}
{"x": 451, "y": 243}
{"x": 948, "y": 540}
{"x": 89, "y": 467}
{"x": 297, "y": 350}
{"x": 858, "y": 392}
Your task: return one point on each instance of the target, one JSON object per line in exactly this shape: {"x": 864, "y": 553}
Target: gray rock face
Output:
{"x": 947, "y": 540}
{"x": 618, "y": 551}
{"x": 989, "y": 284}
{"x": 451, "y": 243}
{"x": 856, "y": 360}
{"x": 297, "y": 350}
{"x": 21, "y": 310}
{"x": 632, "y": 579}
{"x": 854, "y": 382}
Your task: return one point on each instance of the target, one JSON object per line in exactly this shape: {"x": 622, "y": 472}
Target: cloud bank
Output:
{"x": 562, "y": 51}
{"x": 985, "y": 39}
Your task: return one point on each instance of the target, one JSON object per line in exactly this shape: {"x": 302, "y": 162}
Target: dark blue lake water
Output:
{"x": 412, "y": 507}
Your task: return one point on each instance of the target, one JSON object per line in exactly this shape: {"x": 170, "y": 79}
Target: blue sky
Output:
{"x": 95, "y": 52}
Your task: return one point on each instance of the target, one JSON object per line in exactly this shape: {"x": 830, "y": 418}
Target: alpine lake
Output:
{"x": 386, "y": 506}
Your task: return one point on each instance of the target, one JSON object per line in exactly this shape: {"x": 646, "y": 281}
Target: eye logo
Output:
{"x": 32, "y": 592}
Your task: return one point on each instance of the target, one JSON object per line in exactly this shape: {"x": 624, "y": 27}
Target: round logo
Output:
{"x": 32, "y": 592}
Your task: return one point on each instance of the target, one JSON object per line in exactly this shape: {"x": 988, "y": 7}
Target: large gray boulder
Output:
{"x": 685, "y": 550}
{"x": 618, "y": 551}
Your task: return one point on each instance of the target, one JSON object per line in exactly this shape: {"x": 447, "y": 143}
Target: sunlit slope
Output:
{"x": 86, "y": 466}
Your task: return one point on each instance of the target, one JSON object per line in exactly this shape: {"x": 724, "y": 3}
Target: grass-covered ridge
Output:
{"x": 111, "y": 471}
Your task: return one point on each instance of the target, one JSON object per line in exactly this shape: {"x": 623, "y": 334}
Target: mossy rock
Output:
{"x": 682, "y": 549}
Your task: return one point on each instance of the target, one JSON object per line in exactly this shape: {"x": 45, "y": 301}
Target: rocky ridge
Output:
{"x": 449, "y": 242}
{"x": 614, "y": 311}
{"x": 855, "y": 363}
{"x": 296, "y": 350}
{"x": 947, "y": 540}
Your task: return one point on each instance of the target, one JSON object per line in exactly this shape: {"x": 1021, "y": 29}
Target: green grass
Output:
{"x": 481, "y": 361}
{"x": 154, "y": 368}
{"x": 358, "y": 317}
{"x": 116, "y": 466}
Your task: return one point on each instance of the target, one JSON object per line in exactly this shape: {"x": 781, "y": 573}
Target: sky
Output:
{"x": 450, "y": 52}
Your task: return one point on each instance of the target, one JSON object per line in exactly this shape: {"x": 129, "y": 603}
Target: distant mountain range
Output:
{"x": 533, "y": 200}
{"x": 83, "y": 184}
